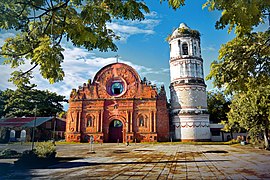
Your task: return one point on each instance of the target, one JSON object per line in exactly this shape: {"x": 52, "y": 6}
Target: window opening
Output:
{"x": 89, "y": 122}
{"x": 117, "y": 123}
{"x": 117, "y": 88}
{"x": 17, "y": 134}
{"x": 141, "y": 121}
{"x": 185, "y": 49}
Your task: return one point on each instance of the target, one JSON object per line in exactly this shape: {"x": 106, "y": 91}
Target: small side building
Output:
{"x": 21, "y": 128}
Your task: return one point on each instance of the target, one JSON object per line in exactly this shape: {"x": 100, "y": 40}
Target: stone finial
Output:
{"x": 183, "y": 25}
{"x": 89, "y": 81}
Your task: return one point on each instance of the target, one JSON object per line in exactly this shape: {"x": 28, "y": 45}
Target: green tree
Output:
{"x": 218, "y": 106}
{"x": 4, "y": 96}
{"x": 251, "y": 110}
{"x": 243, "y": 70}
{"x": 242, "y": 15}
{"x": 42, "y": 24}
{"x": 2, "y": 104}
{"x": 24, "y": 99}
{"x": 62, "y": 114}
{"x": 242, "y": 59}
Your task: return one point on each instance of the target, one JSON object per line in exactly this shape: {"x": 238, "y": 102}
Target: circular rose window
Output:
{"x": 116, "y": 87}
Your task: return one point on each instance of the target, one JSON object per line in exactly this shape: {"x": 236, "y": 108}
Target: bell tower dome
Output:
{"x": 188, "y": 90}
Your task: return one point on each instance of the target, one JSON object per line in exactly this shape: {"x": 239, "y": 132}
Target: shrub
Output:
{"x": 28, "y": 155}
{"x": 8, "y": 153}
{"x": 233, "y": 141}
{"x": 45, "y": 149}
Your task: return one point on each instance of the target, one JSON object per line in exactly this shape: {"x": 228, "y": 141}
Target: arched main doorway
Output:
{"x": 116, "y": 131}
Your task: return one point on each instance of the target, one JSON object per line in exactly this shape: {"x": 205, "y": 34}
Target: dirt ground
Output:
{"x": 145, "y": 161}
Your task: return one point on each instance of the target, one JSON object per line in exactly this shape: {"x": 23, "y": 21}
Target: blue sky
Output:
{"x": 142, "y": 46}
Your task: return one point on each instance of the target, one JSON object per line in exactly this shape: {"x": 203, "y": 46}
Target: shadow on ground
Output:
{"x": 81, "y": 164}
{"x": 7, "y": 170}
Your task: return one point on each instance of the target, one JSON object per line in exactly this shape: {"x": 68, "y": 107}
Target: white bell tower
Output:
{"x": 188, "y": 91}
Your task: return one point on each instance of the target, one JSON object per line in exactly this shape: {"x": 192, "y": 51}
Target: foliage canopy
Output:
{"x": 42, "y": 24}
{"x": 243, "y": 68}
{"x": 24, "y": 100}
{"x": 218, "y": 106}
{"x": 242, "y": 59}
{"x": 251, "y": 110}
{"x": 242, "y": 15}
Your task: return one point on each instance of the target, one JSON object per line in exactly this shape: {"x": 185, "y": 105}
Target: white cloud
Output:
{"x": 210, "y": 48}
{"x": 157, "y": 83}
{"x": 165, "y": 70}
{"x": 152, "y": 14}
{"x": 146, "y": 23}
{"x": 131, "y": 30}
{"x": 5, "y": 71}
{"x": 125, "y": 31}
{"x": 127, "y": 28}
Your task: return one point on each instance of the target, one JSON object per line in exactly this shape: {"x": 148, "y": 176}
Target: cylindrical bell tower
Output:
{"x": 190, "y": 119}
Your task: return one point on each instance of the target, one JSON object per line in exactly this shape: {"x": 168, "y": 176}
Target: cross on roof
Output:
{"x": 117, "y": 58}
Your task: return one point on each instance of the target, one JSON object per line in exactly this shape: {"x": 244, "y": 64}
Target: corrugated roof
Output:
{"x": 23, "y": 121}
{"x": 39, "y": 121}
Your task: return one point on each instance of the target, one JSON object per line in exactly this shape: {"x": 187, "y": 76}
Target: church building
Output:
{"x": 117, "y": 106}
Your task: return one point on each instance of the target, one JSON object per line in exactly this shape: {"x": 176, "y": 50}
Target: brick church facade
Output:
{"x": 117, "y": 106}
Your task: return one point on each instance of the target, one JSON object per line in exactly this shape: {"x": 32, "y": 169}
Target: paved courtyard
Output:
{"x": 151, "y": 161}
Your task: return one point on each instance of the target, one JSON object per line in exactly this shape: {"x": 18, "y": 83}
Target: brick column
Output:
{"x": 98, "y": 121}
{"x": 101, "y": 121}
{"x": 155, "y": 121}
{"x": 131, "y": 121}
{"x": 127, "y": 122}
{"x": 150, "y": 121}
{"x": 79, "y": 122}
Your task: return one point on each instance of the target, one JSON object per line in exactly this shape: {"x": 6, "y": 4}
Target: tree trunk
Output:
{"x": 266, "y": 143}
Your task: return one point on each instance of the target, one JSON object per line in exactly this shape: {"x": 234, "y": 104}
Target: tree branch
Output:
{"x": 62, "y": 33}
{"x": 29, "y": 70}
{"x": 46, "y": 27}
{"x": 22, "y": 11}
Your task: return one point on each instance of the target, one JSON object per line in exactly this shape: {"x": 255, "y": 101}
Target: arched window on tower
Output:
{"x": 90, "y": 122}
{"x": 185, "y": 49}
{"x": 195, "y": 50}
